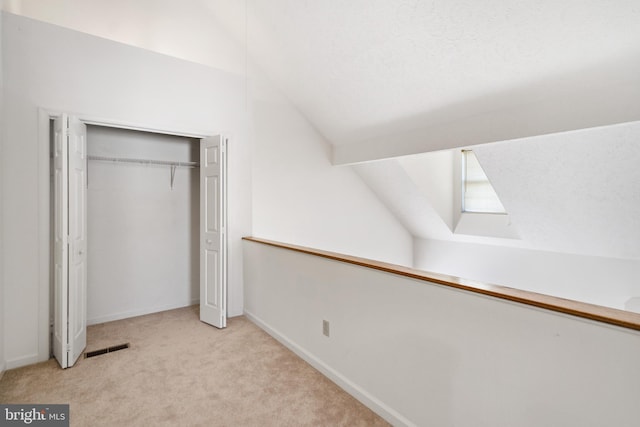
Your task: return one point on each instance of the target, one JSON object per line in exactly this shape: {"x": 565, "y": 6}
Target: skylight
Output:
{"x": 478, "y": 195}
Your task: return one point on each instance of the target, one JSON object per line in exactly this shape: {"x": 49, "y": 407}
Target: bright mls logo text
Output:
{"x": 38, "y": 414}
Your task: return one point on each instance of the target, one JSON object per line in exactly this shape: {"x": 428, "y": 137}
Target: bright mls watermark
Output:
{"x": 34, "y": 415}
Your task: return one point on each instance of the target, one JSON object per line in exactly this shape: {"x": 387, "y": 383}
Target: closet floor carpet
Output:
{"x": 179, "y": 371}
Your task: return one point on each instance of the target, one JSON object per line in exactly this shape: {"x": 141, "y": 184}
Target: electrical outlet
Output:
{"x": 325, "y": 328}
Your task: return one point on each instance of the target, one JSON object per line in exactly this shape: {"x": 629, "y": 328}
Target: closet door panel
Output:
{"x": 77, "y": 238}
{"x": 213, "y": 257}
{"x": 70, "y": 239}
{"x": 60, "y": 236}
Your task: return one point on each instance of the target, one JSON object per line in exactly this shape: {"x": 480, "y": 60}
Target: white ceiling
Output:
{"x": 576, "y": 192}
{"x": 378, "y": 78}
{"x": 362, "y": 69}
{"x": 374, "y": 74}
{"x": 573, "y": 192}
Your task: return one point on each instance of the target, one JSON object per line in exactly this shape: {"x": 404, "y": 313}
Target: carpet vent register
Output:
{"x": 111, "y": 349}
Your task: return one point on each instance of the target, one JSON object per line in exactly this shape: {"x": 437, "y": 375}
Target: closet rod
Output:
{"x": 143, "y": 161}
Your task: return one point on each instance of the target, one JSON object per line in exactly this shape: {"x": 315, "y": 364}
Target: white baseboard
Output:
{"x": 140, "y": 312}
{"x": 347, "y": 385}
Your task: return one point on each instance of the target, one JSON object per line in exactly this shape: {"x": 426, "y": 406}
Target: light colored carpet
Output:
{"x": 179, "y": 371}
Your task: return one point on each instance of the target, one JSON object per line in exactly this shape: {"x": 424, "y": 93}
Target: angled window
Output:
{"x": 478, "y": 195}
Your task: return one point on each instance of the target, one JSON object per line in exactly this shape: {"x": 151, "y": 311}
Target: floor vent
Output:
{"x": 111, "y": 349}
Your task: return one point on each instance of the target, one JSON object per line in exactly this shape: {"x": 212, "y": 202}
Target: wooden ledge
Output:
{"x": 625, "y": 319}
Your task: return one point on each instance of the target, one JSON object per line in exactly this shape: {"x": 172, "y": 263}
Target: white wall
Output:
{"x": 609, "y": 282}
{"x": 63, "y": 70}
{"x": 428, "y": 355}
{"x": 2, "y": 138}
{"x": 573, "y": 205}
{"x": 299, "y": 197}
{"x": 143, "y": 235}
{"x": 189, "y": 29}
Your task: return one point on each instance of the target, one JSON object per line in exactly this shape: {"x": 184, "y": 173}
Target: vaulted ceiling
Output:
{"x": 574, "y": 192}
{"x": 381, "y": 79}
{"x": 365, "y": 71}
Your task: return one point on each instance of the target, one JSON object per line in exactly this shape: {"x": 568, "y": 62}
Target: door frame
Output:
{"x": 45, "y": 115}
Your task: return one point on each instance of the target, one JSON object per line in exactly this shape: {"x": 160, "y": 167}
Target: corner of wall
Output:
{"x": 2, "y": 354}
{"x": 323, "y": 206}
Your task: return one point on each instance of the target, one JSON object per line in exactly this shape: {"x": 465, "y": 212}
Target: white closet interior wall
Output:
{"x": 142, "y": 234}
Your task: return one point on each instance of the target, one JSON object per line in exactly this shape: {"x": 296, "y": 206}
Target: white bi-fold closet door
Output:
{"x": 70, "y": 236}
{"x": 213, "y": 231}
{"x": 70, "y": 239}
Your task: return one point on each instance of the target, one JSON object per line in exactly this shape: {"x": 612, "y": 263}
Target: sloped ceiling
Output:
{"x": 404, "y": 198}
{"x": 386, "y": 78}
{"x": 186, "y": 29}
{"x": 363, "y": 71}
{"x": 574, "y": 192}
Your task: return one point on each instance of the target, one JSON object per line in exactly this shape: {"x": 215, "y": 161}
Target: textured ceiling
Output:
{"x": 362, "y": 69}
{"x": 573, "y": 192}
{"x": 372, "y": 75}
{"x": 384, "y": 78}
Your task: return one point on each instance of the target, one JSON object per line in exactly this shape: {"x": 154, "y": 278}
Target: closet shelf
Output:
{"x": 144, "y": 161}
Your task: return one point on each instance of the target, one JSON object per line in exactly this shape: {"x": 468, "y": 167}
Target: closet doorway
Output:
{"x": 138, "y": 225}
